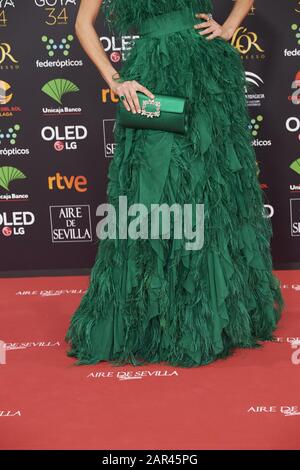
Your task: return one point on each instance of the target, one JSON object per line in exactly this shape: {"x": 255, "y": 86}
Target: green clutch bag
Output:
{"x": 165, "y": 113}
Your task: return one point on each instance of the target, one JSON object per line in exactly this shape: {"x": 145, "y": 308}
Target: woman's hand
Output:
{"x": 128, "y": 90}
{"x": 211, "y": 27}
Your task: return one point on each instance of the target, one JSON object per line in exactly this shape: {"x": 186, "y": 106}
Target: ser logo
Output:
{"x": 64, "y": 138}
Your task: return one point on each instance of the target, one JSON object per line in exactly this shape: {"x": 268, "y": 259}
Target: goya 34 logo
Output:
{"x": 246, "y": 42}
{"x": 4, "y": 6}
{"x": 56, "y": 10}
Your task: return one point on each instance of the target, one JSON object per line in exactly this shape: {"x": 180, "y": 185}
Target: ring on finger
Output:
{"x": 209, "y": 16}
{"x": 122, "y": 97}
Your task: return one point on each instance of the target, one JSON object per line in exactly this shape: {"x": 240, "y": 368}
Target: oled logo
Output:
{"x": 254, "y": 81}
{"x": 117, "y": 48}
{"x": 57, "y": 89}
{"x": 295, "y": 217}
{"x": 65, "y": 138}
{"x": 128, "y": 375}
{"x": 108, "y": 137}
{"x": 295, "y": 96}
{"x": 6, "y": 96}
{"x": 15, "y": 223}
{"x": 255, "y": 125}
{"x": 293, "y": 125}
{"x": 70, "y": 224}
{"x": 67, "y": 183}
{"x": 246, "y": 42}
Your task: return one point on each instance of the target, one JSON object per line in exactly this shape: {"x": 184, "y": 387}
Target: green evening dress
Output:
{"x": 152, "y": 300}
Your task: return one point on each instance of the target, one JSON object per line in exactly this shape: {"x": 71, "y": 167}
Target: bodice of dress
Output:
{"x": 125, "y": 15}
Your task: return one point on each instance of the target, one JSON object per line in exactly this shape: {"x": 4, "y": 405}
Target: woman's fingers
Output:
{"x": 202, "y": 15}
{"x": 131, "y": 102}
{"x": 145, "y": 90}
{"x": 202, "y": 25}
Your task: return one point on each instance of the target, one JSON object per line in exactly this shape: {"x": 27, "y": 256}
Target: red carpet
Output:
{"x": 249, "y": 401}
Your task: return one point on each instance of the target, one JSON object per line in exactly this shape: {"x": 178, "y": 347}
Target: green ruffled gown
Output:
{"x": 150, "y": 301}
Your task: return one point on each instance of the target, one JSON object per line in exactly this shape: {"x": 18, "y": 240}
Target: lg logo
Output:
{"x": 65, "y": 138}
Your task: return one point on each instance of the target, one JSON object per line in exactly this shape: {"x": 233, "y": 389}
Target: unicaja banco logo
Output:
{"x": 9, "y": 174}
{"x": 59, "y": 87}
{"x": 255, "y": 124}
{"x": 10, "y": 135}
{"x": 295, "y": 166}
{"x": 53, "y": 46}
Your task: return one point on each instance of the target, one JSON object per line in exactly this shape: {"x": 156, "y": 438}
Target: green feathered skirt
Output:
{"x": 152, "y": 300}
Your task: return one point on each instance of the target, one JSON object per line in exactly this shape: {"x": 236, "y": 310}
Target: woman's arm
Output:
{"x": 89, "y": 40}
{"x": 239, "y": 11}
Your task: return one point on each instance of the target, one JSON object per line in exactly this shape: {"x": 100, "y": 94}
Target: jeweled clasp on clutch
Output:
{"x": 150, "y": 114}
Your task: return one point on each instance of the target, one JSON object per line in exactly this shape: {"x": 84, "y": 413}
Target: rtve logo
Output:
{"x": 67, "y": 183}
{"x": 107, "y": 95}
{"x": 246, "y": 42}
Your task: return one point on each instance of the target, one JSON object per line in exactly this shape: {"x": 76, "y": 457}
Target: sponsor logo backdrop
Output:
{"x": 57, "y": 123}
